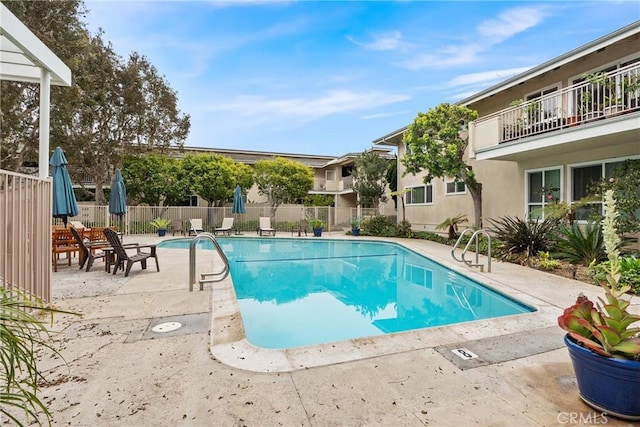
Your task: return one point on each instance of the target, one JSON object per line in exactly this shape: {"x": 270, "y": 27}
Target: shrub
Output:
{"x": 403, "y": 229}
{"x": 545, "y": 262}
{"x": 379, "y": 226}
{"x": 629, "y": 272}
{"x": 428, "y": 235}
{"x": 451, "y": 225}
{"x": 580, "y": 247}
{"x": 23, "y": 332}
{"x": 516, "y": 236}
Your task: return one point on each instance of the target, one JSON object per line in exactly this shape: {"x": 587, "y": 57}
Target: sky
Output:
{"x": 329, "y": 77}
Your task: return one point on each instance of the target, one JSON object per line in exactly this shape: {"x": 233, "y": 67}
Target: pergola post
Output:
{"x": 45, "y": 101}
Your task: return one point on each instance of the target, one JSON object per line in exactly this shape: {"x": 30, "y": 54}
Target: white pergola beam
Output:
{"x": 16, "y": 38}
{"x": 24, "y": 58}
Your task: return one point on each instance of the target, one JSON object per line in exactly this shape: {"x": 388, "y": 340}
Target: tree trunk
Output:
{"x": 475, "y": 189}
{"x": 100, "y": 199}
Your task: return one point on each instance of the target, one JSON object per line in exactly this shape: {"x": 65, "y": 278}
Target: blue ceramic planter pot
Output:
{"x": 162, "y": 232}
{"x": 607, "y": 384}
{"x": 355, "y": 231}
{"x": 317, "y": 232}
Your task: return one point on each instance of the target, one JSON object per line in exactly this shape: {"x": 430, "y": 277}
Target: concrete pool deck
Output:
{"x": 120, "y": 372}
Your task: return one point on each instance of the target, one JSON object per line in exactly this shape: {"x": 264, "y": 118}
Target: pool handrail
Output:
{"x": 192, "y": 262}
{"x": 474, "y": 237}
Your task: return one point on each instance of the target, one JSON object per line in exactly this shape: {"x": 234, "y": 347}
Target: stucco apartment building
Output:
{"x": 332, "y": 174}
{"x": 559, "y": 126}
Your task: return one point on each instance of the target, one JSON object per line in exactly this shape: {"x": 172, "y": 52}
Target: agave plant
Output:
{"x": 582, "y": 247}
{"x": 605, "y": 327}
{"x": 21, "y": 332}
{"x": 518, "y": 236}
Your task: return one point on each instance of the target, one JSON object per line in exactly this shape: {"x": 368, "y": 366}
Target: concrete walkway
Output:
{"x": 118, "y": 372}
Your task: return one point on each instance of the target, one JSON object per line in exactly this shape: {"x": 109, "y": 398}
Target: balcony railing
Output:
{"x": 598, "y": 97}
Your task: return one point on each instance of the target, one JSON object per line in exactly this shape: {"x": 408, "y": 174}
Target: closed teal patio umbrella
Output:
{"x": 238, "y": 204}
{"x": 64, "y": 199}
{"x": 118, "y": 196}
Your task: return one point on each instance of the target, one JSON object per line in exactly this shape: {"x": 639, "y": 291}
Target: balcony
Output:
{"x": 334, "y": 186}
{"x": 601, "y": 106}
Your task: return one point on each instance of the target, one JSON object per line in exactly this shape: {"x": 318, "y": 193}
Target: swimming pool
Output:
{"x": 299, "y": 292}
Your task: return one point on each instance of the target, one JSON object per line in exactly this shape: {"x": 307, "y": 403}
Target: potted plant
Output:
{"x": 317, "y": 225}
{"x": 603, "y": 344}
{"x": 592, "y": 95}
{"x": 355, "y": 225}
{"x": 160, "y": 224}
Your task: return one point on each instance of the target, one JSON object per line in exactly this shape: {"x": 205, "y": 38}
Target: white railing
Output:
{"x": 25, "y": 234}
{"x": 598, "y": 97}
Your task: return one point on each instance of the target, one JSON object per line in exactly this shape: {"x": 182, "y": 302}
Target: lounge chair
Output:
{"x": 196, "y": 226}
{"x": 78, "y": 225}
{"x": 227, "y": 225}
{"x": 122, "y": 256}
{"x": 88, "y": 250}
{"x": 265, "y": 226}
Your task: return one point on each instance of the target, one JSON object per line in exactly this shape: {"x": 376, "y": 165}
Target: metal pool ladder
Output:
{"x": 214, "y": 276}
{"x": 474, "y": 238}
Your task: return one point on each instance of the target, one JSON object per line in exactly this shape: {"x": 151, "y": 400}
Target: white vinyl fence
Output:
{"x": 137, "y": 218}
{"x": 25, "y": 234}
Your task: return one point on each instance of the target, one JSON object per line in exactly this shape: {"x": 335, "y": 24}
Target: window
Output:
{"x": 330, "y": 175}
{"x": 545, "y": 105}
{"x": 419, "y": 276}
{"x": 422, "y": 195}
{"x": 543, "y": 189}
{"x": 583, "y": 180}
{"x": 455, "y": 187}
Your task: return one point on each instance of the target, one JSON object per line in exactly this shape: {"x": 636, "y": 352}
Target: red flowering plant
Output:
{"x": 605, "y": 327}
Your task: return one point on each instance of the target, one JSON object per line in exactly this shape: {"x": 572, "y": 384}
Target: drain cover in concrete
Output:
{"x": 167, "y": 327}
{"x": 487, "y": 351}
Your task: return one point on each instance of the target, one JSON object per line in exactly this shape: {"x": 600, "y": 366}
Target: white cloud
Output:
{"x": 490, "y": 32}
{"x": 511, "y": 22}
{"x": 485, "y": 76}
{"x": 384, "y": 41}
{"x": 448, "y": 56}
{"x": 307, "y": 109}
{"x": 383, "y": 115}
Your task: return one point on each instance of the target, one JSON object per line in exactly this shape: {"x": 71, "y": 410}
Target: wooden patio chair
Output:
{"x": 62, "y": 242}
{"x": 89, "y": 251}
{"x": 176, "y": 225}
{"x": 300, "y": 228}
{"x": 120, "y": 252}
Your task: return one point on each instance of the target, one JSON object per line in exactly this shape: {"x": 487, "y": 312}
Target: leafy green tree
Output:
{"x": 214, "y": 177}
{"x": 59, "y": 25}
{"x": 370, "y": 178}
{"x": 625, "y": 184}
{"x": 437, "y": 141}
{"x": 130, "y": 105}
{"x": 282, "y": 180}
{"x": 113, "y": 108}
{"x": 392, "y": 180}
{"x": 318, "y": 200}
{"x": 154, "y": 179}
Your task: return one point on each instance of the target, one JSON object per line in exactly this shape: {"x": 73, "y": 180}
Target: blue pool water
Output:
{"x": 297, "y": 292}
